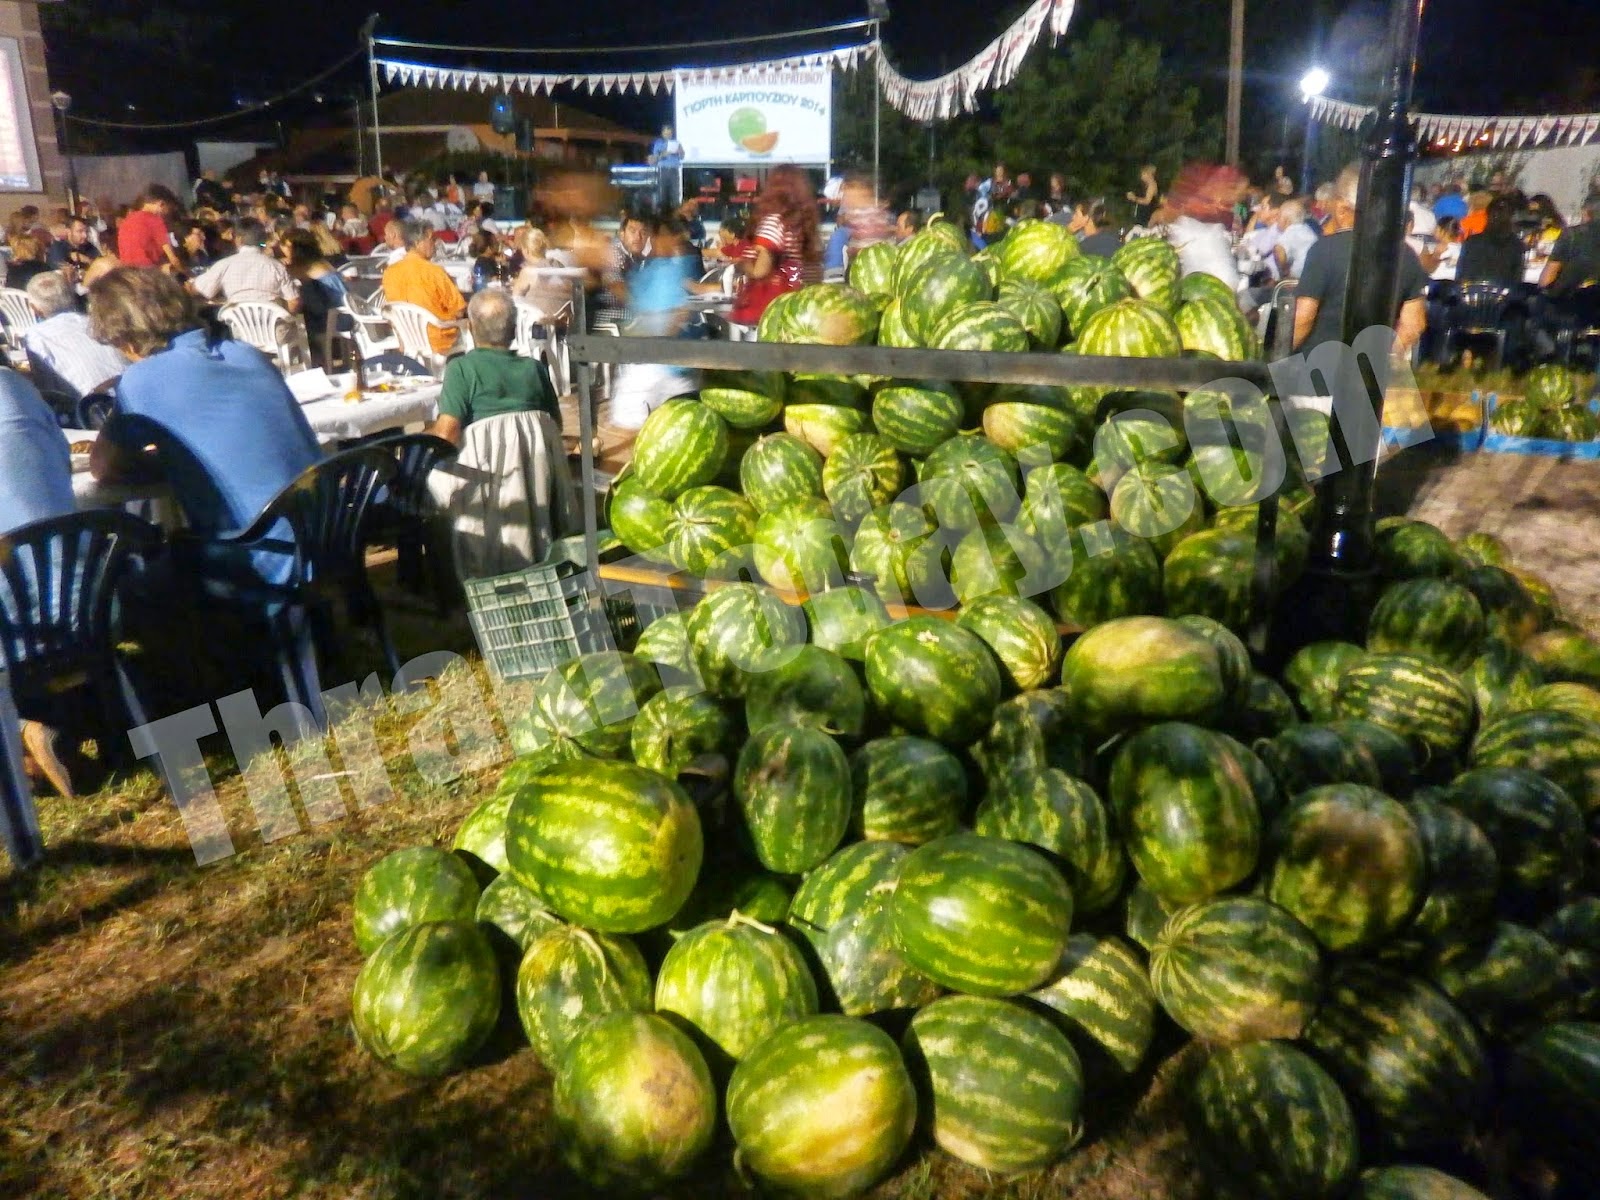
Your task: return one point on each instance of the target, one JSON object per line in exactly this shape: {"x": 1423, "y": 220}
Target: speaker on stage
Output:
{"x": 502, "y": 117}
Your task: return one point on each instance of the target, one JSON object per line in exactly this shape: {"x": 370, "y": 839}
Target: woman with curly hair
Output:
{"x": 785, "y": 248}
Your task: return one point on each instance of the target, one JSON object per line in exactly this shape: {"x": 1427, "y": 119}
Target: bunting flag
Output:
{"x": 1460, "y": 133}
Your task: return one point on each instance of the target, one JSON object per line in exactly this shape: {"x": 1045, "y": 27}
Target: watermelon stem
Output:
{"x": 738, "y": 918}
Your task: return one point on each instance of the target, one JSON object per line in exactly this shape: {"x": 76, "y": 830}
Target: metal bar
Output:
{"x": 1235, "y": 81}
{"x": 591, "y": 517}
{"x": 1059, "y": 370}
{"x": 877, "y": 111}
{"x": 372, "y": 81}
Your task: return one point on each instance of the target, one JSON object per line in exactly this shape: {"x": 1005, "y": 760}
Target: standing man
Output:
{"x": 417, "y": 279}
{"x": 666, "y": 155}
{"x": 143, "y": 239}
{"x": 623, "y": 258}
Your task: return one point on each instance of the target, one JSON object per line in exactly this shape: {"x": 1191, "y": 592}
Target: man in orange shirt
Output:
{"x": 417, "y": 279}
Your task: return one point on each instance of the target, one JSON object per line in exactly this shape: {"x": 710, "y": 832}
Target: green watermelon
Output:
{"x": 1484, "y": 549}
{"x": 1421, "y": 701}
{"x": 408, "y": 888}
{"x": 862, "y": 473}
{"x": 740, "y": 629}
{"x": 1408, "y": 1055}
{"x": 1509, "y": 612}
{"x": 1035, "y": 433}
{"x": 997, "y": 560}
{"x": 983, "y": 326}
{"x": 792, "y": 785}
{"x": 917, "y": 252}
{"x": 1053, "y": 811}
{"x": 1145, "y": 914}
{"x": 665, "y": 642}
{"x": 1199, "y": 285}
{"x": 1121, "y": 577}
{"x": 1408, "y": 549}
{"x": 678, "y": 726}
{"x": 780, "y": 470}
{"x": 1564, "y": 655}
{"x": 1510, "y": 981}
{"x": 1570, "y": 425}
{"x": 1157, "y": 502}
{"x": 1559, "y": 745}
{"x": 1031, "y": 732}
{"x": 842, "y": 619}
{"x": 427, "y": 998}
{"x": 1575, "y": 930}
{"x": 892, "y": 329}
{"x": 800, "y": 548}
{"x": 1535, "y": 828}
{"x": 512, "y": 916}
{"x": 1212, "y": 573}
{"x": 1575, "y": 698}
{"x": 1272, "y": 1121}
{"x": 1130, "y": 328}
{"x": 872, "y": 269}
{"x": 1216, "y": 326}
{"x": 1412, "y": 1183}
{"x": 946, "y": 285}
{"x": 1313, "y": 673}
{"x": 569, "y": 978}
{"x": 1100, "y": 995}
{"x": 480, "y": 839}
{"x": 1022, "y": 635}
{"x": 774, "y": 321}
{"x": 1151, "y": 267}
{"x": 1462, "y": 872}
{"x": 641, "y": 520}
{"x": 816, "y": 688}
{"x": 1550, "y": 386}
{"x": 935, "y": 678}
{"x": 1232, "y": 653}
{"x": 895, "y": 549}
{"x": 634, "y": 1103}
{"x": 1036, "y": 251}
{"x": 822, "y": 1108}
{"x": 732, "y": 887}
{"x": 1085, "y": 286}
{"x": 1553, "y": 1087}
{"x": 1036, "y": 308}
{"x": 906, "y": 789}
{"x": 589, "y": 704}
{"x": 736, "y": 982}
{"x": 917, "y": 419}
{"x": 1501, "y": 680}
{"x": 981, "y": 915}
{"x": 1136, "y": 669}
{"x": 1391, "y": 753}
{"x": 829, "y": 315}
{"x": 824, "y": 426}
{"x": 745, "y": 407}
{"x": 711, "y": 528}
{"x": 1237, "y": 969}
{"x": 1429, "y": 618}
{"x": 1001, "y": 1086}
{"x": 969, "y": 480}
{"x": 682, "y": 444}
{"x": 1186, "y": 810}
{"x": 611, "y": 846}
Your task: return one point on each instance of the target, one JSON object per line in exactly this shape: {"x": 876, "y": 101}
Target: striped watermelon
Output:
{"x": 1200, "y": 285}
{"x": 792, "y": 785}
{"x": 862, "y": 473}
{"x": 1513, "y": 979}
{"x": 824, "y": 426}
{"x": 840, "y": 391}
{"x": 985, "y": 259}
{"x": 1037, "y": 309}
{"x": 1232, "y": 653}
{"x": 1054, "y": 812}
{"x": 1429, "y": 618}
{"x": 981, "y": 915}
{"x": 1022, "y": 635}
{"x": 1412, "y": 1183}
{"x": 1408, "y": 549}
{"x": 1575, "y": 929}
{"x": 1001, "y": 1087}
{"x": 1121, "y": 578}
{"x": 822, "y": 1108}
{"x": 682, "y": 444}
{"x": 1421, "y": 701}
{"x": 842, "y": 619}
{"x": 1484, "y": 549}
{"x": 917, "y": 252}
{"x": 1535, "y": 828}
{"x": 1030, "y": 733}
{"x": 1237, "y": 969}
{"x": 640, "y": 519}
{"x": 745, "y": 404}
{"x": 933, "y": 678}
{"x": 1135, "y": 669}
{"x": 1570, "y": 425}
{"x": 775, "y": 319}
{"x": 1559, "y": 745}
{"x": 480, "y": 839}
{"x": 917, "y": 418}
{"x": 1130, "y": 328}
{"x": 892, "y": 329}
{"x": 997, "y": 560}
{"x": 1501, "y": 680}
{"x": 779, "y": 470}
{"x": 1565, "y": 655}
{"x": 906, "y": 789}
{"x": 1216, "y": 326}
{"x": 1158, "y": 503}
{"x": 946, "y": 285}
{"x": 1100, "y": 995}
{"x": 1036, "y": 424}
{"x": 942, "y": 229}
{"x": 829, "y": 315}
{"x": 982, "y": 326}
{"x": 1057, "y": 498}
{"x": 1509, "y": 612}
{"x": 513, "y": 918}
{"x": 1145, "y": 914}
{"x": 677, "y": 727}
{"x": 1408, "y": 1055}
{"x": 1575, "y": 698}
{"x": 1553, "y": 1083}
{"x": 634, "y": 1103}
{"x": 739, "y": 629}
{"x": 1212, "y": 573}
{"x": 1085, "y": 286}
{"x": 1462, "y": 872}
{"x": 872, "y": 269}
{"x": 1151, "y": 268}
{"x": 736, "y": 982}
{"x": 1186, "y": 811}
{"x": 815, "y": 688}
{"x": 801, "y": 548}
{"x": 665, "y": 643}
{"x": 411, "y": 887}
{"x": 1348, "y": 862}
{"x": 1036, "y": 251}
{"x": 1273, "y": 1122}
{"x": 894, "y": 548}
{"x": 969, "y": 480}
{"x": 843, "y": 910}
{"x": 570, "y": 977}
{"x": 590, "y": 703}
{"x": 611, "y": 846}
{"x": 427, "y": 998}
{"x": 711, "y": 528}
{"x": 1393, "y": 755}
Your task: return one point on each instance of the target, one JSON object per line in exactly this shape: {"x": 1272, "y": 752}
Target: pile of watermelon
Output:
{"x": 1554, "y": 405}
{"x": 838, "y": 888}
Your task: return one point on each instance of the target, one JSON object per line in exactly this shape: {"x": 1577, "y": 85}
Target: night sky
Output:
{"x": 1466, "y": 60}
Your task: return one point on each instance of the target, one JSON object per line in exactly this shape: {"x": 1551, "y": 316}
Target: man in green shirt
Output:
{"x": 491, "y": 380}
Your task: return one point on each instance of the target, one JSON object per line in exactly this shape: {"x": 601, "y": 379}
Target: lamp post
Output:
{"x": 1312, "y": 84}
{"x": 61, "y": 103}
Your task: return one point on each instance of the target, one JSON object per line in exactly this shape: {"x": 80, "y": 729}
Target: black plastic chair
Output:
{"x": 58, "y": 590}
{"x": 95, "y": 409}
{"x": 1479, "y": 313}
{"x": 326, "y": 513}
{"x": 405, "y": 508}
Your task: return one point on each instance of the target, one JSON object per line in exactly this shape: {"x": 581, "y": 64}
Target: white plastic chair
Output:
{"x": 272, "y": 330}
{"x": 411, "y": 323}
{"x": 373, "y": 335}
{"x": 20, "y": 316}
{"x": 551, "y": 345}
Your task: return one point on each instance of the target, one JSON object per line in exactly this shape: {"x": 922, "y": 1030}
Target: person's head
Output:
{"x": 1027, "y": 210}
{"x": 51, "y": 293}
{"x": 139, "y": 310}
{"x": 77, "y": 231}
{"x": 249, "y": 232}
{"x": 195, "y": 239}
{"x": 349, "y": 212}
{"x": 159, "y": 199}
{"x": 418, "y": 237}
{"x": 666, "y": 132}
{"x": 481, "y": 211}
{"x": 633, "y": 233}
{"x": 26, "y": 248}
{"x": 492, "y": 314}
{"x": 972, "y": 181}
{"x": 908, "y": 223}
{"x": 1448, "y": 229}
{"x": 1502, "y": 217}
{"x": 1148, "y": 172}
{"x": 689, "y": 210}
{"x": 789, "y": 196}
{"x": 302, "y": 214}
{"x": 1346, "y": 194}
{"x": 394, "y": 235}
{"x": 483, "y": 177}
{"x": 302, "y": 251}
{"x": 1000, "y": 173}
{"x": 670, "y": 238}
{"x": 1291, "y": 212}
{"x": 532, "y": 243}
{"x": 857, "y": 192}
{"x": 731, "y": 230}
{"x": 482, "y": 245}
{"x": 1498, "y": 182}
{"x": 1024, "y": 180}
{"x": 1058, "y": 183}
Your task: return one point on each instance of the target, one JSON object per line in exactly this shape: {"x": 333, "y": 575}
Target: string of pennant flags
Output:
{"x": 1466, "y": 132}
{"x": 994, "y": 66}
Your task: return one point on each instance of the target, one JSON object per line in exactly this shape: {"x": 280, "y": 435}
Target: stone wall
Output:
{"x": 21, "y": 21}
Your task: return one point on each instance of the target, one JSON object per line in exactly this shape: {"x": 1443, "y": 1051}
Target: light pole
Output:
{"x": 62, "y": 103}
{"x": 1312, "y": 84}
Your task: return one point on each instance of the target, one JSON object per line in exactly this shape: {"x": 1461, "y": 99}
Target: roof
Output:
{"x": 445, "y": 107}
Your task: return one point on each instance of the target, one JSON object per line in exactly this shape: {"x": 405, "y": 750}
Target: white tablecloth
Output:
{"x": 334, "y": 420}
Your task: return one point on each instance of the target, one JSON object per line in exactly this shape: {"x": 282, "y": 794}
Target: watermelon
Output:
{"x": 732, "y": 886}
{"x": 569, "y": 978}
{"x": 1085, "y": 286}
{"x": 1550, "y": 386}
{"x": 745, "y": 407}
{"x": 711, "y": 528}
{"x": 736, "y": 982}
{"x": 916, "y": 419}
{"x": 780, "y": 470}
{"x": 1036, "y": 308}
{"x": 1501, "y": 680}
{"x": 408, "y": 888}
{"x": 589, "y": 704}
{"x": 981, "y": 915}
{"x": 842, "y": 619}
{"x": 1031, "y": 732}
{"x": 829, "y": 315}
{"x": 1401, "y": 1049}
{"x": 998, "y": 560}
{"x": 801, "y": 548}
{"x": 906, "y": 789}
{"x": 1553, "y": 1082}
{"x": 1348, "y": 862}
{"x": 1001, "y": 1086}
{"x": 985, "y": 259}
{"x": 793, "y": 788}
{"x": 1212, "y": 573}
{"x": 1509, "y": 612}
{"x": 969, "y": 480}
{"x": 892, "y": 329}
{"x": 1564, "y": 655}
{"x": 983, "y": 326}
{"x": 1484, "y": 549}
{"x": 1273, "y": 1122}
{"x": 1036, "y": 433}
{"x": 480, "y": 839}
{"x": 513, "y": 917}
{"x": 774, "y": 321}
{"x": 1412, "y": 1183}
{"x": 843, "y": 910}
{"x": 1429, "y": 618}
{"x": 427, "y": 998}
{"x": 1390, "y": 752}
{"x": 1186, "y": 810}
{"x": 824, "y": 426}
{"x": 640, "y": 519}
{"x": 1462, "y": 872}
{"x": 665, "y": 642}
{"x": 1145, "y": 914}
{"x": 678, "y": 726}
{"x": 1575, "y": 698}
{"x": 917, "y": 252}
{"x": 1199, "y": 285}
{"x": 1516, "y": 418}
{"x": 862, "y": 473}
{"x": 822, "y": 1108}
{"x": 1131, "y": 328}
{"x": 1151, "y": 268}
{"x": 611, "y": 846}
{"x": 1408, "y": 549}
{"x": 634, "y": 1103}
{"x": 1136, "y": 669}
{"x": 872, "y": 269}
{"x": 1054, "y": 812}
{"x": 1570, "y": 425}
{"x": 1121, "y": 578}
{"x": 1036, "y": 251}
{"x": 1421, "y": 701}
{"x": 818, "y": 388}
{"x": 1099, "y": 993}
{"x": 682, "y": 444}
{"x": 1511, "y": 980}
{"x": 933, "y": 678}
{"x": 815, "y": 688}
{"x": 944, "y": 286}
{"x": 1157, "y": 502}
{"x": 1559, "y": 745}
{"x": 1022, "y": 635}
{"x": 1237, "y": 969}
{"x": 1216, "y": 326}
{"x": 1232, "y": 653}
{"x": 739, "y": 629}
{"x": 1535, "y": 828}
{"x": 896, "y": 551}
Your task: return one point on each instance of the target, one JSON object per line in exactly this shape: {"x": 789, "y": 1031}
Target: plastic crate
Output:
{"x": 531, "y": 621}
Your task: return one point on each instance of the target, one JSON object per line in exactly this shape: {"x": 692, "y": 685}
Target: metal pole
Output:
{"x": 877, "y": 110}
{"x": 372, "y": 80}
{"x": 1235, "y": 81}
{"x": 586, "y": 419}
{"x": 1308, "y": 151}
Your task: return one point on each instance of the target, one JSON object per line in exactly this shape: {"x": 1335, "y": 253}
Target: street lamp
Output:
{"x": 62, "y": 103}
{"x": 1312, "y": 84}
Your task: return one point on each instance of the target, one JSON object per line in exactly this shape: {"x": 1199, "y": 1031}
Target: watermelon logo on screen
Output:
{"x": 748, "y": 129}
